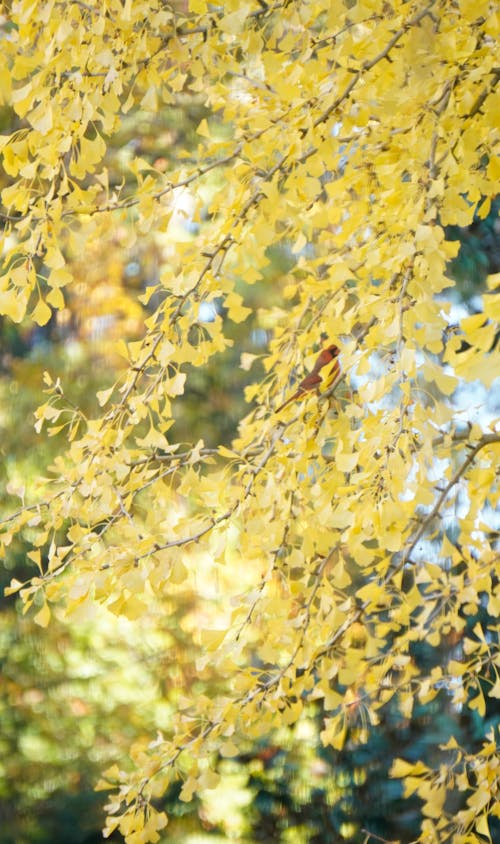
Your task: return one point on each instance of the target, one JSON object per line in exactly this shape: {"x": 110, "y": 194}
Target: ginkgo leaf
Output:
{"x": 14, "y": 586}
{"x": 41, "y": 313}
{"x": 104, "y": 395}
{"x": 42, "y": 617}
{"x": 188, "y": 789}
{"x": 203, "y": 129}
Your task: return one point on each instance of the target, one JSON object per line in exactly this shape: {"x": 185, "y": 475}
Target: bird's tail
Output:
{"x": 288, "y": 401}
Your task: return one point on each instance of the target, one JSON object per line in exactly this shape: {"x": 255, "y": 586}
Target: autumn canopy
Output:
{"x": 324, "y": 543}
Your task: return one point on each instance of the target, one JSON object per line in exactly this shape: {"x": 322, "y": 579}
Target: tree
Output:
{"x": 337, "y": 547}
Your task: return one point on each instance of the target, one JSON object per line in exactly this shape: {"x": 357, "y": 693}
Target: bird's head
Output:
{"x": 334, "y": 350}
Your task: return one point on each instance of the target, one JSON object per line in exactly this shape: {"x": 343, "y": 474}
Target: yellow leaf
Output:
{"x": 446, "y": 383}
{"x": 236, "y": 311}
{"x": 434, "y": 797}
{"x": 471, "y": 323}
{"x": 36, "y": 557}
{"x": 209, "y": 779}
{"x": 103, "y": 396}
{"x": 41, "y": 313}
{"x": 59, "y": 276}
{"x": 342, "y": 577}
{"x": 493, "y": 281}
{"x": 478, "y": 703}
{"x": 13, "y": 305}
{"x": 15, "y": 586}
{"x": 178, "y": 572}
{"x": 153, "y": 439}
{"x": 483, "y": 827}
{"x": 55, "y": 298}
{"x": 211, "y": 639}
{"x": 495, "y": 689}
{"x": 133, "y": 608}
{"x": 401, "y": 768}
{"x": 203, "y": 129}
{"x": 335, "y": 732}
{"x": 188, "y": 789}
{"x": 346, "y": 462}
{"x": 233, "y": 22}
{"x": 247, "y": 360}
{"x": 457, "y": 669}
{"x": 175, "y": 386}
{"x": 226, "y": 452}
{"x": 479, "y": 799}
{"x": 492, "y": 306}
{"x": 41, "y": 118}
{"x": 229, "y": 749}
{"x": 340, "y": 518}
{"x": 43, "y": 616}
{"x": 111, "y": 823}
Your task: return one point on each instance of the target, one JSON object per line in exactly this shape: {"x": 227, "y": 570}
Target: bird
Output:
{"x": 328, "y": 355}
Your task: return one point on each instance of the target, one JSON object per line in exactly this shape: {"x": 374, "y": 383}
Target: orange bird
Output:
{"x": 329, "y": 355}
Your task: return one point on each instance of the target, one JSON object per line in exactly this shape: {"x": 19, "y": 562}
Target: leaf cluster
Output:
{"x": 327, "y": 544}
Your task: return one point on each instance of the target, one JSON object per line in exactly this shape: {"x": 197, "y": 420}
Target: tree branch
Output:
{"x": 487, "y": 439}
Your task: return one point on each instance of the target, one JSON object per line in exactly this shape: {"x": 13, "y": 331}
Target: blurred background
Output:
{"x": 73, "y": 698}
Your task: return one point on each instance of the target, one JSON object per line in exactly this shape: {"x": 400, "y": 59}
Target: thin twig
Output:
{"x": 487, "y": 439}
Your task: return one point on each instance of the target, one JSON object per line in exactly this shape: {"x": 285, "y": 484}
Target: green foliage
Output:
{"x": 479, "y": 253}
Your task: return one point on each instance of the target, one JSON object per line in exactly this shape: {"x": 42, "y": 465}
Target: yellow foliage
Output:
{"x": 349, "y": 139}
